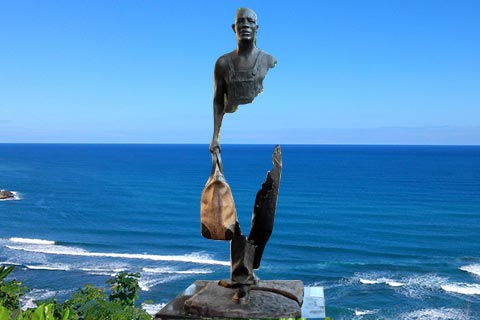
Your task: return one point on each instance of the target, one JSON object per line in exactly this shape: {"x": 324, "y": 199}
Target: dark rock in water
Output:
{"x": 5, "y": 194}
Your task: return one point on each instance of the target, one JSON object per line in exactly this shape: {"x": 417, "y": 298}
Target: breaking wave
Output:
{"x": 390, "y": 282}
{"x": 103, "y": 271}
{"x": 472, "y": 268}
{"x": 412, "y": 286}
{"x": 29, "y": 300}
{"x": 53, "y": 267}
{"x": 435, "y": 314}
{"x": 31, "y": 241}
{"x": 462, "y": 288}
{"x": 154, "y": 276}
{"x": 168, "y": 270}
{"x": 146, "y": 282}
{"x": 364, "y": 312}
{"x": 49, "y": 247}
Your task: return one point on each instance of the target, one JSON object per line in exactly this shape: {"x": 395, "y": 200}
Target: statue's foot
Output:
{"x": 255, "y": 278}
{"x": 242, "y": 295}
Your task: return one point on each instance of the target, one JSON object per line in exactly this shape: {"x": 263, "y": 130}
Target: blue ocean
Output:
{"x": 390, "y": 232}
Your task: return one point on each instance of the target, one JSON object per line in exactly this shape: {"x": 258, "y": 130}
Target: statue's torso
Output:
{"x": 243, "y": 85}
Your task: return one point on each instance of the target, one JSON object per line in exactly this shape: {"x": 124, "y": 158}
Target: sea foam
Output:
{"x": 174, "y": 271}
{"x": 31, "y": 241}
{"x": 48, "y": 247}
{"x": 462, "y": 288}
{"x": 472, "y": 268}
{"x": 435, "y": 314}
{"x": 154, "y": 276}
{"x": 364, "y": 312}
{"x": 389, "y": 282}
{"x": 146, "y": 283}
{"x": 53, "y": 267}
{"x": 368, "y": 281}
{"x": 102, "y": 271}
{"x": 412, "y": 286}
{"x": 28, "y": 300}
{"x": 40, "y": 294}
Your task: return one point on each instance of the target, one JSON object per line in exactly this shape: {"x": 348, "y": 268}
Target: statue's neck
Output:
{"x": 245, "y": 47}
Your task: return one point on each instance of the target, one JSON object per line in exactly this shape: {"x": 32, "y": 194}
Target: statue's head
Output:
{"x": 245, "y": 26}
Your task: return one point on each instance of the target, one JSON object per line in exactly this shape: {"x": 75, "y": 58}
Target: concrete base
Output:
{"x": 209, "y": 300}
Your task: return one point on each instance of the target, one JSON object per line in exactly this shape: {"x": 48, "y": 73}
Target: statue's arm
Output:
{"x": 218, "y": 102}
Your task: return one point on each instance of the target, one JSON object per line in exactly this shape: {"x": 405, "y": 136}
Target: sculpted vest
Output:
{"x": 242, "y": 85}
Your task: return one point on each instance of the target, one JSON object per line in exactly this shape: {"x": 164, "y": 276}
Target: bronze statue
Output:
{"x": 239, "y": 74}
{"x": 238, "y": 80}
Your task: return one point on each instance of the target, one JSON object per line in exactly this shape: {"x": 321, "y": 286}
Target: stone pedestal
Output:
{"x": 208, "y": 299}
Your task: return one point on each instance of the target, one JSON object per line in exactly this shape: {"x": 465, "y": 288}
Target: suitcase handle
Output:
{"x": 216, "y": 161}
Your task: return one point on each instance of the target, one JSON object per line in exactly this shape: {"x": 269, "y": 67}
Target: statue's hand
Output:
{"x": 214, "y": 145}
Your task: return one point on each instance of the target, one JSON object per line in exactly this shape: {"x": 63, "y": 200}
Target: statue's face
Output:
{"x": 245, "y": 26}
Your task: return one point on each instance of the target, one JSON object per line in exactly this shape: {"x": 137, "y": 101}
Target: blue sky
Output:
{"x": 349, "y": 72}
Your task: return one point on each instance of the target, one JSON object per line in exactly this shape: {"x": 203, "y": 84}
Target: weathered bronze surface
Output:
{"x": 239, "y": 79}
{"x": 239, "y": 74}
{"x": 264, "y": 209}
{"x": 218, "y": 216}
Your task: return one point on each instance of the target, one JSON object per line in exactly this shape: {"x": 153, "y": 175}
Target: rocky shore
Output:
{"x": 5, "y": 194}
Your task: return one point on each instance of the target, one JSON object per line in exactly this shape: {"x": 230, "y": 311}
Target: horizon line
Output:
{"x": 235, "y": 144}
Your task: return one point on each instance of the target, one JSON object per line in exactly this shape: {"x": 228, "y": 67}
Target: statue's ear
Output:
{"x": 233, "y": 27}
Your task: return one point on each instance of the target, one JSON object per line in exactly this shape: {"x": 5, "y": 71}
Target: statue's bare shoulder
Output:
{"x": 269, "y": 60}
{"x": 221, "y": 66}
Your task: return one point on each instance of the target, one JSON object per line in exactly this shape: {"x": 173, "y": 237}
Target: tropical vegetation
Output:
{"x": 87, "y": 303}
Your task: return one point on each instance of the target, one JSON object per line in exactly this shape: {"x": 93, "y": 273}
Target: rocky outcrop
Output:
{"x": 5, "y": 194}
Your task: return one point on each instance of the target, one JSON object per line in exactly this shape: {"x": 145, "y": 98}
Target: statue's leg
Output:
{"x": 264, "y": 208}
{"x": 242, "y": 254}
{"x": 246, "y": 254}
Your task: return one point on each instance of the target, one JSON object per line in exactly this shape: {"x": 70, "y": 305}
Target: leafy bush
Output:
{"x": 94, "y": 303}
{"x": 11, "y": 291}
{"x": 87, "y": 303}
{"x": 124, "y": 288}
